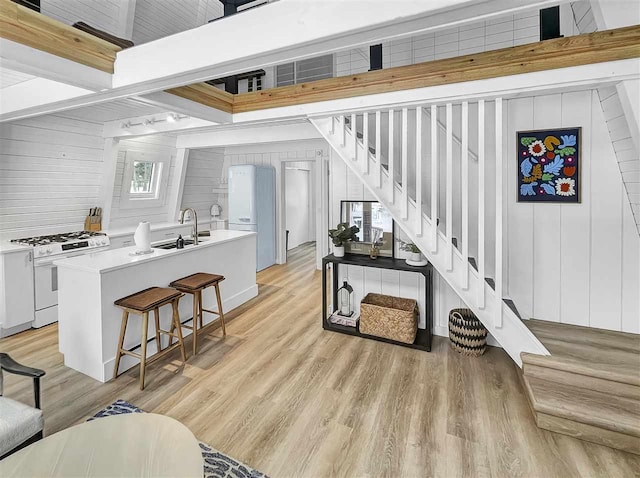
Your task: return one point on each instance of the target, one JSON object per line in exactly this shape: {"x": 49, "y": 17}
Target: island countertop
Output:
{"x": 106, "y": 261}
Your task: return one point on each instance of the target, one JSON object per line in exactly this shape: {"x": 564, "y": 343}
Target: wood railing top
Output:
{"x": 33, "y": 29}
{"x": 609, "y": 45}
{"x": 25, "y": 26}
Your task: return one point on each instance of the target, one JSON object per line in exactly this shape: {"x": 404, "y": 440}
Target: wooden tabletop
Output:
{"x": 132, "y": 444}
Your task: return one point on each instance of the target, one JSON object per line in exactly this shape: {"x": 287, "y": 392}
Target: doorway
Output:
{"x": 300, "y": 223}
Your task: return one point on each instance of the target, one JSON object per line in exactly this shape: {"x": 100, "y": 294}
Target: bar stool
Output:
{"x": 141, "y": 303}
{"x": 195, "y": 284}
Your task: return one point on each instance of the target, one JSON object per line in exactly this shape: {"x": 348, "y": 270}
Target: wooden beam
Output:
{"x": 207, "y": 95}
{"x": 609, "y": 45}
{"x": 22, "y": 25}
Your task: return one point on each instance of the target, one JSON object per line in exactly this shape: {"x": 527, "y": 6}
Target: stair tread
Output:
{"x": 585, "y": 406}
{"x": 575, "y": 334}
{"x": 491, "y": 282}
{"x": 512, "y": 306}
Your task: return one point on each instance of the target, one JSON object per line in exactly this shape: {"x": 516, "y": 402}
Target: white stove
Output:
{"x": 56, "y": 244}
{"x": 46, "y": 250}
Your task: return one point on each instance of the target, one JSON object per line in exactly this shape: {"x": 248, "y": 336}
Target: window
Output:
{"x": 144, "y": 175}
{"x": 144, "y": 179}
{"x": 302, "y": 71}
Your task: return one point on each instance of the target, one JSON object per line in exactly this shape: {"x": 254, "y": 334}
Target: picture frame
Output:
{"x": 548, "y": 165}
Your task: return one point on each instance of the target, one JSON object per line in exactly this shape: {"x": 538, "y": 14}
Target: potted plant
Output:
{"x": 414, "y": 251}
{"x": 340, "y": 235}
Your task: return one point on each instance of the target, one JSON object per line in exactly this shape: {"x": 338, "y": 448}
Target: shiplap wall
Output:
{"x": 204, "y": 170}
{"x": 576, "y": 264}
{"x": 104, "y": 14}
{"x": 505, "y": 31}
{"x": 160, "y": 18}
{"x": 123, "y": 217}
{"x": 50, "y": 174}
{"x": 344, "y": 185}
{"x": 621, "y": 127}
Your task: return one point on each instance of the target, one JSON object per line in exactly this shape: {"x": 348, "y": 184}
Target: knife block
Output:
{"x": 93, "y": 223}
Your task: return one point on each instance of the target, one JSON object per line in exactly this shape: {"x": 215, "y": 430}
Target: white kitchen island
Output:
{"x": 88, "y": 285}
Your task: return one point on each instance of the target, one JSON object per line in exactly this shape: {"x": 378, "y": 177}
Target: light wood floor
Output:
{"x": 292, "y": 400}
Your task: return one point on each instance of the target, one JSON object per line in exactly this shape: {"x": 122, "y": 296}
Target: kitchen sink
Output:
{"x": 173, "y": 245}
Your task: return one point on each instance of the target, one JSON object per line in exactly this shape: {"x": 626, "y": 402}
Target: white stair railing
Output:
{"x": 416, "y": 204}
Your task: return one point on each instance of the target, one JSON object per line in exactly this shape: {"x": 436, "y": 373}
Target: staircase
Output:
{"x": 418, "y": 162}
{"x": 391, "y": 152}
{"x": 589, "y": 387}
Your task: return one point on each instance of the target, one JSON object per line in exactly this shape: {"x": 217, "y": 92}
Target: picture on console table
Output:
{"x": 549, "y": 165}
{"x": 376, "y": 227}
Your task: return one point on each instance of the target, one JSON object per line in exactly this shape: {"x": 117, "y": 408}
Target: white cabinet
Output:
{"x": 16, "y": 288}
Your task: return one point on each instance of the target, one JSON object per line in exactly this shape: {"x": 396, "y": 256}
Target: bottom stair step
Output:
{"x": 586, "y": 414}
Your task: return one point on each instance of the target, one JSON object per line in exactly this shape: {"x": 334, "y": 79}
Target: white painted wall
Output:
{"x": 575, "y": 264}
{"x": 160, "y": 18}
{"x": 50, "y": 174}
{"x": 123, "y": 217}
{"x": 204, "y": 170}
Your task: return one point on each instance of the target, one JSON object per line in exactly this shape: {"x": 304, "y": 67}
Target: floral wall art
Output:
{"x": 549, "y": 165}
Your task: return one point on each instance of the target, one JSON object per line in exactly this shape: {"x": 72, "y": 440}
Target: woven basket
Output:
{"x": 466, "y": 332}
{"x": 389, "y": 317}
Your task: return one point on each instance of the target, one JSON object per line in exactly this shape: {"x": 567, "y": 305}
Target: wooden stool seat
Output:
{"x": 148, "y": 299}
{"x": 195, "y": 284}
{"x": 199, "y": 280}
{"x": 142, "y": 303}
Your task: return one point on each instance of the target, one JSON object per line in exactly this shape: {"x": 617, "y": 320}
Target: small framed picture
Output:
{"x": 549, "y": 165}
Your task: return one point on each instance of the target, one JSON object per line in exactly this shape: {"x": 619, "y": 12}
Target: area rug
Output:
{"x": 216, "y": 464}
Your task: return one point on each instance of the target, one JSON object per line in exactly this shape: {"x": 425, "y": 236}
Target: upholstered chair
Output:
{"x": 20, "y": 424}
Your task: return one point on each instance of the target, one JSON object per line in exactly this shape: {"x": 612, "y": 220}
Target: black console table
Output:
{"x": 423, "y": 338}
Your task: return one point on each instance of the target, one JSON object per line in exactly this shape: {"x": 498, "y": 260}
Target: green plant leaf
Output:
{"x": 527, "y": 140}
{"x": 547, "y": 176}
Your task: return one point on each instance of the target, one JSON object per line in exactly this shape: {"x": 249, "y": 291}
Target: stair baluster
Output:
{"x": 365, "y": 142}
{"x": 405, "y": 160}
{"x": 465, "y": 194}
{"x": 449, "y": 186}
{"x": 392, "y": 193}
{"x": 481, "y": 179}
{"x": 378, "y": 150}
{"x": 419, "y": 171}
{"x": 434, "y": 179}
{"x": 499, "y": 215}
{"x": 354, "y": 137}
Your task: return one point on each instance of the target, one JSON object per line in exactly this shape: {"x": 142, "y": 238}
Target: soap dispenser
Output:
{"x": 180, "y": 242}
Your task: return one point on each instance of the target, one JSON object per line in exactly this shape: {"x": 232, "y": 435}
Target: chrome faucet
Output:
{"x": 194, "y": 232}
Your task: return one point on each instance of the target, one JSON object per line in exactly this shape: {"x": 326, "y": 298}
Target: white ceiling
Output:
{"x": 12, "y": 77}
{"x": 114, "y": 110}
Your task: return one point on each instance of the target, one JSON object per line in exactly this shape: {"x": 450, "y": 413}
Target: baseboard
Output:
{"x": 127, "y": 362}
{"x": 444, "y": 332}
{"x": 14, "y": 330}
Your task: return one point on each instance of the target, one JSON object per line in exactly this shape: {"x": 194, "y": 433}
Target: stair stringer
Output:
{"x": 513, "y": 336}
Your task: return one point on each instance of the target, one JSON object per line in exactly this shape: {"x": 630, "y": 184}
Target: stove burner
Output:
{"x": 57, "y": 238}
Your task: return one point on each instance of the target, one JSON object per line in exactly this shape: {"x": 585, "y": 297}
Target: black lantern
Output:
{"x": 345, "y": 294}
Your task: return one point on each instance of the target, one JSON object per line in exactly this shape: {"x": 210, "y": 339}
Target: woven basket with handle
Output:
{"x": 466, "y": 332}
